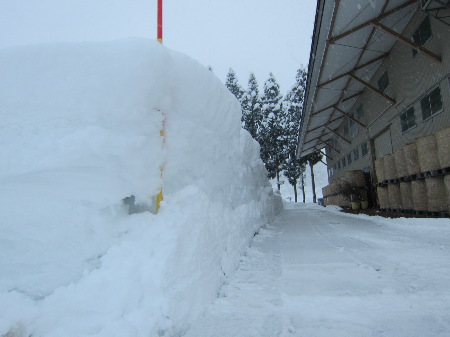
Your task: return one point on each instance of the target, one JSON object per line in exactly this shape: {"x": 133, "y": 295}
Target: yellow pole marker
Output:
{"x": 159, "y": 197}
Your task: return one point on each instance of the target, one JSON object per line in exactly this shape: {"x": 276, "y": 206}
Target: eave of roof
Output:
{"x": 350, "y": 41}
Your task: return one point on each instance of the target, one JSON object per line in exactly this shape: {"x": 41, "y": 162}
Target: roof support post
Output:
{"x": 371, "y": 87}
{"x": 365, "y": 24}
{"x": 403, "y": 39}
{"x": 329, "y": 122}
{"x": 329, "y": 157}
{"x": 322, "y": 110}
{"x": 349, "y": 116}
{"x": 337, "y": 134}
{"x": 356, "y": 68}
{"x": 329, "y": 145}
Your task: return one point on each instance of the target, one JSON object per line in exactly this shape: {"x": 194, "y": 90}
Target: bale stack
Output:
{"x": 437, "y": 194}
{"x": 443, "y": 147}
{"x": 390, "y": 171}
{"x": 383, "y": 197}
{"x": 419, "y": 195}
{"x": 379, "y": 169}
{"x": 406, "y": 195}
{"x": 447, "y": 187}
{"x": 329, "y": 192}
{"x": 411, "y": 158}
{"x": 427, "y": 151}
{"x": 395, "y": 197}
{"x": 324, "y": 193}
{"x": 400, "y": 164}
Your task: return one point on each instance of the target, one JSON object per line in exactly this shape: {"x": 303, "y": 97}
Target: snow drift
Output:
{"x": 79, "y": 132}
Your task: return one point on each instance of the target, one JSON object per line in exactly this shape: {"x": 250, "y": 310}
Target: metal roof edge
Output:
{"x": 312, "y": 60}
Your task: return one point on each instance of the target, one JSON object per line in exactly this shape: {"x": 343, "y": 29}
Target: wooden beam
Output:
{"x": 350, "y": 97}
{"x": 329, "y": 157}
{"x": 356, "y": 68}
{"x": 329, "y": 145}
{"x": 329, "y": 122}
{"x": 371, "y": 87}
{"x": 337, "y": 134}
{"x": 349, "y": 116}
{"x": 322, "y": 110}
{"x": 403, "y": 39}
{"x": 367, "y": 23}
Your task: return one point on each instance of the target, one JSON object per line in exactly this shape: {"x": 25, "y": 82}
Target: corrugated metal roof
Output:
{"x": 347, "y": 49}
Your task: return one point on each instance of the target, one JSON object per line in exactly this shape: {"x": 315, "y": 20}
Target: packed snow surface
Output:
{"x": 318, "y": 272}
{"x": 79, "y": 132}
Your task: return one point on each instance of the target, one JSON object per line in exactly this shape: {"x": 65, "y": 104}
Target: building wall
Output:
{"x": 410, "y": 78}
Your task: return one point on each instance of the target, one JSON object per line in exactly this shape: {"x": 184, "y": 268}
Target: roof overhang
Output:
{"x": 350, "y": 41}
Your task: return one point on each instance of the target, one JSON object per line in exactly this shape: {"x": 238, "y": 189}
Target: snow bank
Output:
{"x": 79, "y": 131}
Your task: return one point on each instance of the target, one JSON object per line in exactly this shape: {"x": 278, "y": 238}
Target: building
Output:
{"x": 378, "y": 80}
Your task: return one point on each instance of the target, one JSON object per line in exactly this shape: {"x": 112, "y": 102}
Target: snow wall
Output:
{"x": 79, "y": 131}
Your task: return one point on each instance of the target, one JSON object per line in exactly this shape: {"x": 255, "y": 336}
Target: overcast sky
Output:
{"x": 259, "y": 36}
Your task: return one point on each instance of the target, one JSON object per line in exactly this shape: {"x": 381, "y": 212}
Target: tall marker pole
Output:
{"x": 159, "y": 197}
{"x": 160, "y": 24}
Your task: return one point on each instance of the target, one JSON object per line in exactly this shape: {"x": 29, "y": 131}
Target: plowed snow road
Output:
{"x": 318, "y": 272}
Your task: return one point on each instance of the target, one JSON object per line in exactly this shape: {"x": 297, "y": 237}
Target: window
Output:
{"x": 335, "y": 167}
{"x": 339, "y": 165}
{"x": 344, "y": 164}
{"x": 349, "y": 159}
{"x": 351, "y": 129}
{"x": 333, "y": 145}
{"x": 422, "y": 34}
{"x": 431, "y": 103}
{"x": 364, "y": 149}
{"x": 356, "y": 154}
{"x": 383, "y": 82}
{"x": 359, "y": 112}
{"x": 408, "y": 119}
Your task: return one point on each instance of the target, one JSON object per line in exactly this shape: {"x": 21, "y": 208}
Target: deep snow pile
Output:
{"x": 79, "y": 131}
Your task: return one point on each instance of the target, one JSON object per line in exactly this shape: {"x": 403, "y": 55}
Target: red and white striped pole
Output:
{"x": 160, "y": 24}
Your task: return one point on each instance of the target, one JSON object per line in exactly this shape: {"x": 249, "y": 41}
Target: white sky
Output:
{"x": 259, "y": 36}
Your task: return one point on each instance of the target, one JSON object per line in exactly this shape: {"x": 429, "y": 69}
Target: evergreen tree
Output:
{"x": 313, "y": 158}
{"x": 251, "y": 108}
{"x": 272, "y": 136}
{"x": 293, "y": 167}
{"x": 232, "y": 85}
{"x": 303, "y": 186}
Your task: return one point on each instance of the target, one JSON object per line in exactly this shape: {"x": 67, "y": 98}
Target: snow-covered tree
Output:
{"x": 232, "y": 84}
{"x": 293, "y": 167}
{"x": 251, "y": 108}
{"x": 272, "y": 136}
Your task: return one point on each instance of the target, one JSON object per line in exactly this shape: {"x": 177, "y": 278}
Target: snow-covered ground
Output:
{"x": 80, "y": 131}
{"x": 319, "y": 272}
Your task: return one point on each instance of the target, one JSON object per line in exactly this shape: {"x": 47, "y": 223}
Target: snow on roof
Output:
{"x": 347, "y": 49}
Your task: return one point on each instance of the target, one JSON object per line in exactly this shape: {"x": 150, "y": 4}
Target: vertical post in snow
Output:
{"x": 159, "y": 197}
{"x": 160, "y": 25}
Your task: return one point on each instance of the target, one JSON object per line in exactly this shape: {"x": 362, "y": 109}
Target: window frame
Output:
{"x": 381, "y": 81}
{"x": 428, "y": 94}
{"x": 359, "y": 114}
{"x": 401, "y": 119}
{"x": 364, "y": 145}
{"x": 414, "y": 51}
{"x": 356, "y": 150}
